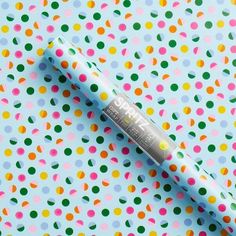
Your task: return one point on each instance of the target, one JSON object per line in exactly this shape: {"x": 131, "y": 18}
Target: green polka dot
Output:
{"x": 54, "y": 5}
{"x": 141, "y": 229}
{"x": 65, "y": 107}
{"x": 20, "y": 67}
{"x": 105, "y": 212}
{"x": 24, "y": 18}
{"x": 68, "y": 151}
{"x": 65, "y": 28}
{"x": 33, "y": 214}
{"x": 198, "y": 2}
{"x": 23, "y": 191}
{"x": 57, "y": 128}
{"x": 134, "y": 77}
{"x": 201, "y": 125}
{"x": 234, "y": 62}
{"x": 212, "y": 227}
{"x": 172, "y": 43}
{"x": 100, "y": 45}
{"x": 65, "y": 202}
{"x": 202, "y": 191}
{"x": 209, "y": 104}
{"x": 94, "y": 88}
{"x": 62, "y": 79}
{"x": 208, "y": 24}
{"x": 174, "y": 87}
{"x": 137, "y": 200}
{"x": 211, "y": 148}
{"x": 206, "y": 75}
{"x": 95, "y": 189}
{"x": 99, "y": 139}
{"x": 103, "y": 168}
{"x": 177, "y": 210}
{"x": 136, "y": 26}
{"x": 69, "y": 231}
{"x": 96, "y": 16}
{"x": 31, "y": 170}
{"x": 28, "y": 141}
{"x": 168, "y": 14}
{"x": 167, "y": 187}
{"x": 164, "y": 64}
{"x": 30, "y": 90}
{"x": 126, "y": 3}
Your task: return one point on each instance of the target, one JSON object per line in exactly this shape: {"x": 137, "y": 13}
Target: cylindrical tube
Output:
{"x": 144, "y": 132}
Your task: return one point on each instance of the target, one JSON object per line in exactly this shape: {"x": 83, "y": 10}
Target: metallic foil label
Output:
{"x": 144, "y": 132}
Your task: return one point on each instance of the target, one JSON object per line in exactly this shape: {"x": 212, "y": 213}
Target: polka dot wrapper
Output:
{"x": 65, "y": 169}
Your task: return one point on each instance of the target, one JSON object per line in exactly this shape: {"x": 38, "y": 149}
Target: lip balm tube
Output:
{"x": 201, "y": 187}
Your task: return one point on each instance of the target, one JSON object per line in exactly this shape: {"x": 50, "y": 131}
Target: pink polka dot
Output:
{"x": 233, "y": 49}
{"x": 161, "y": 24}
{"x": 234, "y": 146}
{"x": 198, "y": 85}
{"x": 89, "y": 25}
{"x": 32, "y": 228}
{"x": 90, "y": 213}
{"x": 59, "y": 52}
{"x": 15, "y": 91}
{"x": 232, "y": 22}
{"x": 127, "y": 86}
{"x": 202, "y": 233}
{"x": 199, "y": 111}
{"x": 90, "y": 52}
{"x": 82, "y": 77}
{"x": 50, "y": 29}
{"x": 56, "y": 115}
{"x": 92, "y": 149}
{"x": 58, "y": 212}
{"x": 231, "y": 86}
{"x": 139, "y": 164}
{"x": 191, "y": 181}
{"x": 162, "y": 51}
{"x": 53, "y": 152}
{"x": 125, "y": 150}
{"x": 159, "y": 88}
{"x": 222, "y": 207}
{"x": 18, "y": 54}
{"x": 55, "y": 88}
{"x": 194, "y": 25}
{"x": 180, "y": 195}
{"x": 17, "y": 27}
{"x": 19, "y": 215}
{"x": 130, "y": 210}
{"x": 20, "y": 151}
{"x": 162, "y": 211}
{"x": 93, "y": 176}
{"x": 122, "y": 27}
{"x": 197, "y": 149}
{"x": 21, "y": 178}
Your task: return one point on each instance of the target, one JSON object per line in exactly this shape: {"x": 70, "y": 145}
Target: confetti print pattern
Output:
{"x": 65, "y": 169}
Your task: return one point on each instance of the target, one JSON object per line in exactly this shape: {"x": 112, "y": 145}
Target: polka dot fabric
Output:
{"x": 65, "y": 169}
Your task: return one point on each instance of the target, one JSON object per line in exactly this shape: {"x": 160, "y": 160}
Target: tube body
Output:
{"x": 144, "y": 132}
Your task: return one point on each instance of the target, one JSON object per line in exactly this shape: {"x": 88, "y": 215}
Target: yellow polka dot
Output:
{"x": 150, "y": 111}
{"x": 19, "y": 5}
{"x": 112, "y": 50}
{"x": 4, "y": 28}
{"x": 128, "y": 64}
{"x": 220, "y": 24}
{"x": 233, "y": 2}
{"x": 40, "y": 52}
{"x": 45, "y": 213}
{"x": 5, "y": 53}
{"x": 186, "y": 86}
{"x": 200, "y": 63}
{"x": 187, "y": 110}
{"x": 148, "y": 25}
{"x": 81, "y": 234}
{"x": 6, "y": 115}
{"x": 76, "y": 27}
{"x": 115, "y": 173}
{"x": 80, "y": 174}
{"x": 149, "y": 49}
{"x": 79, "y": 150}
{"x": 165, "y": 125}
{"x": 221, "y": 109}
{"x": 91, "y": 4}
{"x": 235, "y": 124}
{"x": 8, "y": 176}
{"x": 117, "y": 211}
{"x": 103, "y": 96}
{"x": 21, "y": 129}
{"x": 211, "y": 199}
{"x": 43, "y": 113}
{"x": 223, "y": 147}
{"x": 163, "y": 3}
{"x": 184, "y": 48}
{"x": 42, "y": 89}
{"x": 224, "y": 171}
{"x": 8, "y": 152}
{"x": 78, "y": 113}
{"x": 153, "y": 233}
{"x": 43, "y": 175}
{"x": 221, "y": 47}
{"x": 163, "y": 145}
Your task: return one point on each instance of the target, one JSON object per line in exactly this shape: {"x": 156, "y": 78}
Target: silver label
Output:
{"x": 144, "y": 132}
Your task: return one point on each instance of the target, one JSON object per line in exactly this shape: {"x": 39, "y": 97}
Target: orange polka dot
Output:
{"x": 100, "y": 30}
{"x": 32, "y": 156}
{"x": 69, "y": 217}
{"x": 172, "y": 29}
{"x": 93, "y": 127}
{"x": 28, "y": 32}
{"x": 210, "y": 90}
{"x": 64, "y": 64}
{"x": 138, "y": 91}
{"x": 226, "y": 219}
{"x": 173, "y": 167}
{"x": 152, "y": 173}
{"x": 103, "y": 154}
{"x": 141, "y": 215}
{"x": 189, "y": 209}
{"x": 66, "y": 93}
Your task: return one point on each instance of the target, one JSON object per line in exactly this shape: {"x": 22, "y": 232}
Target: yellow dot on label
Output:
{"x": 45, "y": 213}
{"x": 115, "y": 173}
{"x": 112, "y": 50}
{"x": 186, "y": 86}
{"x": 221, "y": 109}
{"x": 8, "y": 152}
{"x": 163, "y": 145}
{"x": 5, "y": 53}
{"x": 43, "y": 175}
{"x": 117, "y": 211}
{"x": 150, "y": 111}
{"x": 184, "y": 48}
{"x": 42, "y": 89}
{"x": 79, "y": 150}
{"x": 4, "y": 28}
{"x": 223, "y": 147}
{"x": 78, "y": 113}
{"x": 220, "y": 24}
{"x": 148, "y": 25}
{"x": 76, "y": 27}
{"x": 212, "y": 199}
{"x": 103, "y": 96}
{"x": 165, "y": 125}
{"x": 6, "y": 115}
{"x": 153, "y": 233}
